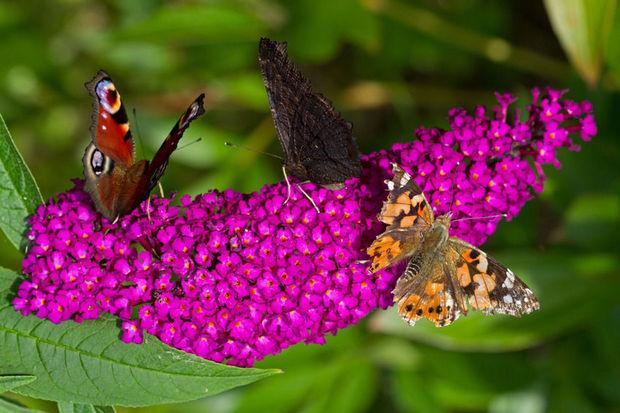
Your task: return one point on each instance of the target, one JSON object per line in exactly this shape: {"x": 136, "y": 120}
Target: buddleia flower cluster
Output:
{"x": 235, "y": 277}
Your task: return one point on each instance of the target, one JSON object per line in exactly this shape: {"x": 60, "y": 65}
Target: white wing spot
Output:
{"x": 508, "y": 299}
{"x": 510, "y": 279}
{"x": 405, "y": 178}
{"x": 483, "y": 264}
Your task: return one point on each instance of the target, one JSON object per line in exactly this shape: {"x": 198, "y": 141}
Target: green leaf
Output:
{"x": 8, "y": 406}
{"x": 19, "y": 193}
{"x": 87, "y": 363}
{"x": 10, "y": 382}
{"x": 583, "y": 28}
{"x": 66, "y": 407}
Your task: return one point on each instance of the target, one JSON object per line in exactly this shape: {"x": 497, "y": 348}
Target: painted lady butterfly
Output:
{"x": 444, "y": 273}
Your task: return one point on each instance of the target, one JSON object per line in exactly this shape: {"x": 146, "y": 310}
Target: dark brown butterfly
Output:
{"x": 444, "y": 273}
{"x": 115, "y": 181}
{"x": 318, "y": 143}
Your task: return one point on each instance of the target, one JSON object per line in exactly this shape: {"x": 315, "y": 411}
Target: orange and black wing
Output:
{"x": 408, "y": 216}
{"x": 488, "y": 285}
{"x": 426, "y": 290}
{"x": 110, "y": 128}
{"x": 111, "y": 152}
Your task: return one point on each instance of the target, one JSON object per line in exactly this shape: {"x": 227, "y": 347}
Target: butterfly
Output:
{"x": 115, "y": 181}
{"x": 444, "y": 274}
{"x": 317, "y": 142}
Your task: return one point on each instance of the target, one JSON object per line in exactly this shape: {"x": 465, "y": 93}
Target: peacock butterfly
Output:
{"x": 318, "y": 143}
{"x": 115, "y": 181}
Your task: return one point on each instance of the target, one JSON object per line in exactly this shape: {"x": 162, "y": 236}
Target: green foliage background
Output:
{"x": 389, "y": 66}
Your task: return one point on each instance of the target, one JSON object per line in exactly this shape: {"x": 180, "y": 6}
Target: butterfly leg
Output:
{"x": 309, "y": 199}
{"x": 161, "y": 189}
{"x": 288, "y": 186}
{"x": 148, "y": 208}
{"x": 288, "y": 191}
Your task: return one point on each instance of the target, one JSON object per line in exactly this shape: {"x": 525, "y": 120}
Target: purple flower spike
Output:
{"x": 233, "y": 277}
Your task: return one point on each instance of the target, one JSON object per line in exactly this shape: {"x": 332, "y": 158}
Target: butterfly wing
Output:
{"x": 426, "y": 290}
{"x": 110, "y": 127}
{"x": 408, "y": 216}
{"x": 144, "y": 175}
{"x": 158, "y": 165}
{"x": 439, "y": 287}
{"x": 488, "y": 285}
{"x": 103, "y": 180}
{"x": 285, "y": 87}
{"x": 318, "y": 143}
{"x": 325, "y": 149}
{"x": 111, "y": 153}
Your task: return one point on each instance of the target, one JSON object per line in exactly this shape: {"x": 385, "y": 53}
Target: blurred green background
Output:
{"x": 389, "y": 66}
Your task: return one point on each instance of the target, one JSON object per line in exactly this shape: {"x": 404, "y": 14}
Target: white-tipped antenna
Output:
{"x": 234, "y": 145}
{"x": 189, "y": 143}
{"x": 486, "y": 217}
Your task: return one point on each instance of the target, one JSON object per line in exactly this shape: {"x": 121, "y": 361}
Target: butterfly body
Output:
{"x": 318, "y": 143}
{"x": 116, "y": 182}
{"x": 444, "y": 274}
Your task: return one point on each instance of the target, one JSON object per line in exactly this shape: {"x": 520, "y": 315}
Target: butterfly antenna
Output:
{"x": 234, "y": 145}
{"x": 138, "y": 132}
{"x": 452, "y": 200}
{"x": 189, "y": 143}
{"x": 458, "y": 164}
{"x": 485, "y": 217}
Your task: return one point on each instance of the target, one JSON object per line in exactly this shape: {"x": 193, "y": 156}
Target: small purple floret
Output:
{"x": 233, "y": 277}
